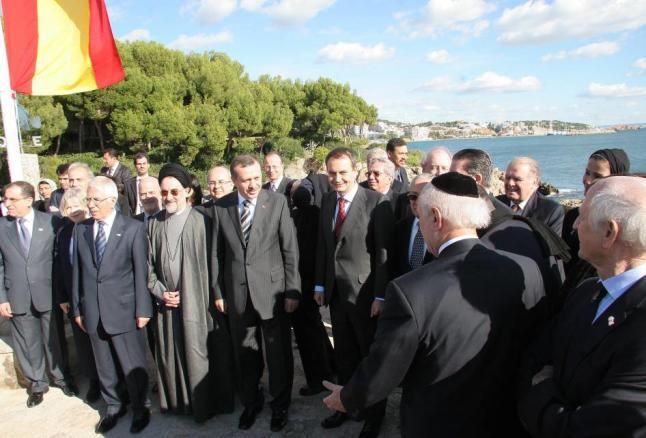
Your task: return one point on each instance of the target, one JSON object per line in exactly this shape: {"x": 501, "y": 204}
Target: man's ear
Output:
{"x": 611, "y": 233}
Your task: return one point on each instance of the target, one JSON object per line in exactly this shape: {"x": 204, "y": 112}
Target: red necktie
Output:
{"x": 340, "y": 217}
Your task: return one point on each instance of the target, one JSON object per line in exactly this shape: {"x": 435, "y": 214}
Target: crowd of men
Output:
{"x": 497, "y": 315}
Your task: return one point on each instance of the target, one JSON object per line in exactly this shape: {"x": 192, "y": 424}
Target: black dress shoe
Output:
{"x": 334, "y": 420}
{"x": 34, "y": 399}
{"x": 69, "y": 390}
{"x": 278, "y": 419}
{"x": 311, "y": 390}
{"x": 248, "y": 416}
{"x": 93, "y": 392}
{"x": 140, "y": 420}
{"x": 109, "y": 421}
{"x": 371, "y": 428}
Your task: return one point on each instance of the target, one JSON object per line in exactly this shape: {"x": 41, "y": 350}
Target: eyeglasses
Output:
{"x": 96, "y": 200}
{"x": 412, "y": 196}
{"x": 174, "y": 192}
{"x": 219, "y": 182}
{"x": 375, "y": 173}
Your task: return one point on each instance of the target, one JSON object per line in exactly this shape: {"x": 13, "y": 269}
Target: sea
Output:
{"x": 562, "y": 158}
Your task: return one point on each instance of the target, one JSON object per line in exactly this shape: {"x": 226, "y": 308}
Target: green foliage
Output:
{"x": 51, "y": 114}
{"x": 288, "y": 148}
{"x": 415, "y": 157}
{"x": 318, "y": 156}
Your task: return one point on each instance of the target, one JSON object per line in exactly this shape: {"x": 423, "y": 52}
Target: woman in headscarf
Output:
{"x": 601, "y": 164}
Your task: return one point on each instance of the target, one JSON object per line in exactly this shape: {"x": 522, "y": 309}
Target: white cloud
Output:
{"x": 200, "y": 41}
{"x": 252, "y": 5}
{"x": 593, "y": 50}
{"x": 486, "y": 82}
{"x": 439, "y": 57}
{"x": 640, "y": 63}
{"x": 288, "y": 12}
{"x": 614, "y": 90}
{"x": 355, "y": 53}
{"x": 538, "y": 21}
{"x": 136, "y": 35}
{"x": 211, "y": 11}
{"x": 463, "y": 16}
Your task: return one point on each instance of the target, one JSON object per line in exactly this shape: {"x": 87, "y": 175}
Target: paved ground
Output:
{"x": 60, "y": 416}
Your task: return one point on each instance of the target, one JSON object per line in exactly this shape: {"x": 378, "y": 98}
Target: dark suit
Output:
{"x": 120, "y": 176}
{"x": 398, "y": 256}
{"x": 400, "y": 186}
{"x": 285, "y": 186}
{"x": 254, "y": 279}
{"x": 110, "y": 296}
{"x": 130, "y": 192}
{"x": 353, "y": 270}
{"x": 26, "y": 284}
{"x": 598, "y": 385}
{"x": 450, "y": 333}
{"x": 318, "y": 185}
{"x": 543, "y": 209}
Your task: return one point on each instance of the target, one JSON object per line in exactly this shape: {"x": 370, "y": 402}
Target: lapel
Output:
{"x": 259, "y": 215}
{"x": 357, "y": 207}
{"x": 530, "y": 207}
{"x": 12, "y": 234}
{"x": 234, "y": 215}
{"x": 89, "y": 237}
{"x": 38, "y": 238}
{"x": 116, "y": 234}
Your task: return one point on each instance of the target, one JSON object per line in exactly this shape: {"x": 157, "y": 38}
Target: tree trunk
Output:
{"x": 81, "y": 125}
{"x": 97, "y": 125}
{"x": 58, "y": 145}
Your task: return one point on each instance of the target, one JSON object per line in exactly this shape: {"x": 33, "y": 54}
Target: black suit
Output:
{"x": 285, "y": 186}
{"x": 109, "y": 296}
{"x": 543, "y": 209}
{"x": 598, "y": 383}
{"x": 254, "y": 279}
{"x": 131, "y": 194}
{"x": 120, "y": 176}
{"x": 400, "y": 185}
{"x": 398, "y": 256}
{"x": 450, "y": 333}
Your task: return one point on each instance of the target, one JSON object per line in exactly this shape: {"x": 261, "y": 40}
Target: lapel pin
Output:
{"x": 40, "y": 229}
{"x": 611, "y": 321}
{"x": 118, "y": 235}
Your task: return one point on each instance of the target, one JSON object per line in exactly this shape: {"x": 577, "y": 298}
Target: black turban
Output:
{"x": 619, "y": 162}
{"x": 177, "y": 172}
{"x": 455, "y": 183}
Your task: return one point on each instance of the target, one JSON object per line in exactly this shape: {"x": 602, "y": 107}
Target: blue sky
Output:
{"x": 439, "y": 60}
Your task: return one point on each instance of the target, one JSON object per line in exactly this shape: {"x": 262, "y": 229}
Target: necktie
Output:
{"x": 245, "y": 221}
{"x": 25, "y": 238}
{"x": 417, "y": 254}
{"x": 138, "y": 208}
{"x": 273, "y": 187}
{"x": 340, "y": 217}
{"x": 100, "y": 242}
{"x": 515, "y": 208}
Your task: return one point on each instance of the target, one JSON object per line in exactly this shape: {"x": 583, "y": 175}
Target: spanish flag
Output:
{"x": 60, "y": 46}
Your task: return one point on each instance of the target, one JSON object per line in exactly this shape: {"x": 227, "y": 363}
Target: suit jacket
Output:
{"x": 398, "y": 260}
{"x": 130, "y": 192}
{"x": 318, "y": 185}
{"x": 543, "y": 209}
{"x": 598, "y": 383}
{"x": 285, "y": 186}
{"x": 115, "y": 291}
{"x": 121, "y": 175}
{"x": 450, "y": 333}
{"x": 355, "y": 265}
{"x": 63, "y": 268}
{"x": 267, "y": 267}
{"x": 403, "y": 185}
{"x": 27, "y": 280}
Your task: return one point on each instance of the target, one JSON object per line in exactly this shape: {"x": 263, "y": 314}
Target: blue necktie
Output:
{"x": 417, "y": 254}
{"x": 25, "y": 238}
{"x": 100, "y": 243}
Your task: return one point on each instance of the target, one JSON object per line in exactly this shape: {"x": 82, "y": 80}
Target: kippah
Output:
{"x": 177, "y": 172}
{"x": 455, "y": 183}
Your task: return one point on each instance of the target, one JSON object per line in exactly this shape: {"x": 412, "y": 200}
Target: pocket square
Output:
{"x": 118, "y": 235}
{"x": 40, "y": 229}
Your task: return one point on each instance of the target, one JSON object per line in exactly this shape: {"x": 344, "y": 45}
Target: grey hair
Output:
{"x": 81, "y": 165}
{"x": 436, "y": 149}
{"x": 106, "y": 185}
{"x": 375, "y": 153}
{"x": 459, "y": 211}
{"x": 613, "y": 202}
{"x": 425, "y": 176}
{"x": 389, "y": 167}
{"x": 73, "y": 193}
{"x": 534, "y": 168}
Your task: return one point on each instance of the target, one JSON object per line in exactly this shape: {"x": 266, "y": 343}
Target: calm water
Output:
{"x": 562, "y": 158}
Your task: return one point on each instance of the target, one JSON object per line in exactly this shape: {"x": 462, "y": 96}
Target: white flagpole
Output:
{"x": 9, "y": 116}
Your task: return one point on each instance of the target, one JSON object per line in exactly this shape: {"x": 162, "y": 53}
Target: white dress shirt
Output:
{"x": 107, "y": 225}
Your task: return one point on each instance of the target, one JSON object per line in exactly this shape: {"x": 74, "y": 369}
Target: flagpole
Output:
{"x": 9, "y": 116}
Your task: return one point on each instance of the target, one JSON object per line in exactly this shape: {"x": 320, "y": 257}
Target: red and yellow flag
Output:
{"x": 60, "y": 46}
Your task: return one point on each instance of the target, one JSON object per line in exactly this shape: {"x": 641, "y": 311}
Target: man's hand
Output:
{"x": 65, "y": 307}
{"x": 319, "y": 297}
{"x": 291, "y": 305}
{"x": 220, "y": 305}
{"x": 333, "y": 401}
{"x": 142, "y": 321}
{"x": 5, "y": 310}
{"x": 171, "y": 299}
{"x": 375, "y": 310}
{"x": 79, "y": 322}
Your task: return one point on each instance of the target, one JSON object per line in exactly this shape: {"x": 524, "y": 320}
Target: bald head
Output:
{"x": 150, "y": 195}
{"x": 437, "y": 161}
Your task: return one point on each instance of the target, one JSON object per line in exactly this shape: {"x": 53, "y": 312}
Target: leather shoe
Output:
{"x": 140, "y": 420}
{"x": 109, "y": 421}
{"x": 34, "y": 399}
{"x": 69, "y": 390}
{"x": 93, "y": 392}
{"x": 311, "y": 390}
{"x": 371, "y": 428}
{"x": 278, "y": 419}
{"x": 248, "y": 416}
{"x": 334, "y": 420}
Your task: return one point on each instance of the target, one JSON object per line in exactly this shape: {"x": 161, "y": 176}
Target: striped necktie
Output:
{"x": 100, "y": 242}
{"x": 25, "y": 238}
{"x": 245, "y": 221}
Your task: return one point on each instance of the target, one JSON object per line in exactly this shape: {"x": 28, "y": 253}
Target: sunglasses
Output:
{"x": 174, "y": 192}
{"x": 412, "y": 196}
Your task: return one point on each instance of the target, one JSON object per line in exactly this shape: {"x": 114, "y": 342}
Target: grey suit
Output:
{"x": 543, "y": 209}
{"x": 110, "y": 296}
{"x": 254, "y": 279}
{"x": 26, "y": 283}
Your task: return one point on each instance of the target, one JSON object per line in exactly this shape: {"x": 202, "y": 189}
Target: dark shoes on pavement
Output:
{"x": 334, "y": 420}
{"x": 310, "y": 390}
{"x": 93, "y": 392}
{"x": 108, "y": 421}
{"x": 248, "y": 416}
{"x": 278, "y": 419}
{"x": 140, "y": 420}
{"x": 34, "y": 399}
{"x": 371, "y": 428}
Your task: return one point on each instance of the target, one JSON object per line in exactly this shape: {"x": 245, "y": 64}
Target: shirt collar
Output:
{"x": 454, "y": 240}
{"x": 276, "y": 183}
{"x": 110, "y": 219}
{"x": 349, "y": 197}
{"x": 242, "y": 199}
{"x": 29, "y": 217}
{"x": 617, "y": 285}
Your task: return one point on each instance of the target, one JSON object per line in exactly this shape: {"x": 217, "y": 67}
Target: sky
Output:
{"x": 436, "y": 60}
